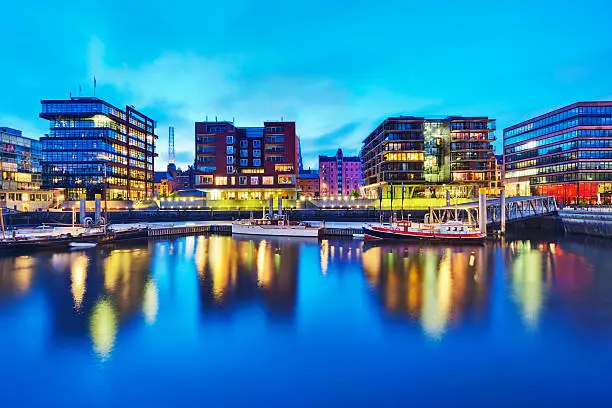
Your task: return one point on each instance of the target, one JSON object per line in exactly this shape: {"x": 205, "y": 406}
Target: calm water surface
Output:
{"x": 216, "y": 321}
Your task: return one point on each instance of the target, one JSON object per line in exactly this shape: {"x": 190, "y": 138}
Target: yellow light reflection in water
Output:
{"x": 223, "y": 264}
{"x": 371, "y": 262}
{"x": 150, "y": 302}
{"x": 24, "y": 266}
{"x": 103, "y": 328}
{"x": 437, "y": 288}
{"x": 78, "y": 277}
{"x": 527, "y": 285}
{"x": 265, "y": 270}
{"x": 201, "y": 256}
{"x": 324, "y": 256}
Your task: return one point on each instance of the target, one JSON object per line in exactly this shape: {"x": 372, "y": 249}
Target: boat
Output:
{"x": 449, "y": 232}
{"x": 82, "y": 245}
{"x": 276, "y": 227}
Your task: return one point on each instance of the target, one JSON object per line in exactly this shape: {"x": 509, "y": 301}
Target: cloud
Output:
{"x": 181, "y": 88}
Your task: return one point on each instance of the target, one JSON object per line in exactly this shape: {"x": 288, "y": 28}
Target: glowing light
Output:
{"x": 103, "y": 328}
{"x": 150, "y": 302}
{"x": 78, "y": 277}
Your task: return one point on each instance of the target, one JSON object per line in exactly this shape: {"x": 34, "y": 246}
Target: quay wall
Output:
{"x": 137, "y": 216}
{"x": 592, "y": 221}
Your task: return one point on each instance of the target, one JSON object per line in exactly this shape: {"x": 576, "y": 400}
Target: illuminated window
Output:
{"x": 283, "y": 168}
{"x": 230, "y": 159}
{"x": 257, "y": 153}
{"x": 206, "y": 179}
{"x": 221, "y": 181}
{"x": 256, "y": 162}
{"x": 242, "y": 180}
{"x": 254, "y": 180}
{"x": 229, "y": 149}
{"x": 229, "y": 139}
{"x": 230, "y": 169}
{"x": 267, "y": 180}
{"x": 285, "y": 179}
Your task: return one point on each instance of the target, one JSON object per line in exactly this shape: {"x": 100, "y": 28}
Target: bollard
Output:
{"x": 82, "y": 210}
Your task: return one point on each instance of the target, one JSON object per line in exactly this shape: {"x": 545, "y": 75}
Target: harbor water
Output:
{"x": 220, "y": 321}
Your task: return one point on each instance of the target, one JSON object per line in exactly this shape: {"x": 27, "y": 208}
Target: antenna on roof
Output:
{"x": 282, "y": 118}
{"x": 171, "y": 155}
{"x": 215, "y": 118}
{"x": 207, "y": 118}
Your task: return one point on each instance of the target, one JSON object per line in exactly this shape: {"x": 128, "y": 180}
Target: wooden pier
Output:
{"x": 190, "y": 230}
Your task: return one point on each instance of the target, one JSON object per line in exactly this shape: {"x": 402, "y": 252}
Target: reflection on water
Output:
{"x": 435, "y": 287}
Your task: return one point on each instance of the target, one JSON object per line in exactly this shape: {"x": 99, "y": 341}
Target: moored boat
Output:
{"x": 450, "y": 232}
{"x": 274, "y": 227}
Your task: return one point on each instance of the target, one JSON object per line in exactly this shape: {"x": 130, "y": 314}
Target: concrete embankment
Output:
{"x": 135, "y": 216}
{"x": 593, "y": 221}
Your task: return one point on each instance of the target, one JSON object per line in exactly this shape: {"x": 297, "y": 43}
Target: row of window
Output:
{"x": 245, "y": 180}
{"x": 580, "y": 121}
{"x": 582, "y": 110}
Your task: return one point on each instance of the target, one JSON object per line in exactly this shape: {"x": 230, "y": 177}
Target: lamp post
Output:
{"x": 104, "y": 158}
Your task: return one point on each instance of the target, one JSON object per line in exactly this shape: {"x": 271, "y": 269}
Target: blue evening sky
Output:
{"x": 337, "y": 68}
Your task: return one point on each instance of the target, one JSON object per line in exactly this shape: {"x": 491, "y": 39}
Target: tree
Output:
{"x": 355, "y": 194}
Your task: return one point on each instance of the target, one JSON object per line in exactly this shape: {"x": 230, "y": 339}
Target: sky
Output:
{"x": 336, "y": 68}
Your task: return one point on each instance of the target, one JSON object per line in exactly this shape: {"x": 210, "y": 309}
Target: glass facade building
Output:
{"x": 429, "y": 155}
{"x": 566, "y": 153}
{"x": 86, "y": 135}
{"x": 20, "y": 166}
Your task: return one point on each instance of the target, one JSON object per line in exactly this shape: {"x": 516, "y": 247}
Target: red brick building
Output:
{"x": 308, "y": 183}
{"x": 339, "y": 175}
{"x": 246, "y": 163}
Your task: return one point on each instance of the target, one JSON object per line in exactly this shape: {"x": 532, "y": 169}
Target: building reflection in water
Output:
{"x": 433, "y": 285}
{"x": 237, "y": 270}
{"x": 16, "y": 274}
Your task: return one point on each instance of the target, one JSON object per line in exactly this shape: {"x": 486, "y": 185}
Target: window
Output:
{"x": 205, "y": 179}
{"x": 230, "y": 169}
{"x": 221, "y": 181}
{"x": 230, "y": 159}
{"x": 267, "y": 180}
{"x": 229, "y": 140}
{"x": 244, "y": 162}
{"x": 283, "y": 168}
{"x": 244, "y": 144}
{"x": 285, "y": 179}
{"x": 257, "y": 153}
{"x": 242, "y": 180}
{"x": 244, "y": 153}
{"x": 229, "y": 149}
{"x": 257, "y": 143}
{"x": 256, "y": 162}
{"x": 254, "y": 180}
{"x": 233, "y": 181}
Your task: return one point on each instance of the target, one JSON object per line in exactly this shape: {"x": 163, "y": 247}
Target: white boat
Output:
{"x": 82, "y": 245}
{"x": 280, "y": 227}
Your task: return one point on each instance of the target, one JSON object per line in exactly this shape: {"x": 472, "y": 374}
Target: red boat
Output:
{"x": 450, "y": 232}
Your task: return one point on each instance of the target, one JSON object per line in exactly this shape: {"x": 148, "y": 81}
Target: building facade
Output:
{"x": 429, "y": 156}
{"x": 566, "y": 153}
{"x": 246, "y": 163}
{"x": 339, "y": 175}
{"x": 308, "y": 183}
{"x": 20, "y": 185}
{"x": 87, "y": 135}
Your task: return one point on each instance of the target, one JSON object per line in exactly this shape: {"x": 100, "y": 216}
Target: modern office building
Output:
{"x": 86, "y": 136}
{"x": 20, "y": 185}
{"x": 566, "y": 153}
{"x": 429, "y": 156}
{"x": 339, "y": 175}
{"x": 308, "y": 183}
{"x": 246, "y": 163}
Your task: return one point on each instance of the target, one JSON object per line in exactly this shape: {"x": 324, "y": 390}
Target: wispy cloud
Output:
{"x": 185, "y": 87}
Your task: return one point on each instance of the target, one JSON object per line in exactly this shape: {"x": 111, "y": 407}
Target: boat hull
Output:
{"x": 381, "y": 233}
{"x": 275, "y": 231}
